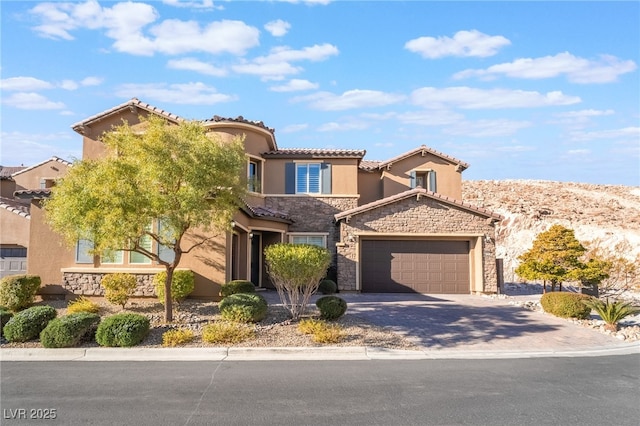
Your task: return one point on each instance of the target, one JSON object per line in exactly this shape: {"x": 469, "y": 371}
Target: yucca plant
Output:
{"x": 611, "y": 312}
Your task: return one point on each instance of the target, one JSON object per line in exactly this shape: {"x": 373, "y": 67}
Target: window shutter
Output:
{"x": 326, "y": 178}
{"x": 412, "y": 179}
{"x": 289, "y": 178}
{"x": 432, "y": 181}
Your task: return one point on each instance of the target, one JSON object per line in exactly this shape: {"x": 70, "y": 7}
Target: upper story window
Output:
{"x": 425, "y": 179}
{"x": 254, "y": 176}
{"x": 308, "y": 178}
{"x": 47, "y": 183}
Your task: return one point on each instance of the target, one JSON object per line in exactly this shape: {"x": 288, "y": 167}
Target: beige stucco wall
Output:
{"x": 30, "y": 179}
{"x": 396, "y": 178}
{"x": 344, "y": 174}
{"x": 15, "y": 229}
{"x": 7, "y": 186}
{"x": 419, "y": 218}
{"x": 369, "y": 186}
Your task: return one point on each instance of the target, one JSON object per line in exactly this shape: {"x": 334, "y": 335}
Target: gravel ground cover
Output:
{"x": 276, "y": 330}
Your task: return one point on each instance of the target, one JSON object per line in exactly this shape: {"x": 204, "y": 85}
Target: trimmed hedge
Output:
{"x": 126, "y": 329}
{"x": 327, "y": 287}
{"x": 18, "y": 291}
{"x": 182, "y": 285}
{"x": 331, "y": 307}
{"x": 244, "y": 307}
{"x": 27, "y": 324}
{"x": 68, "y": 331}
{"x": 5, "y": 316}
{"x": 236, "y": 287}
{"x": 566, "y": 305}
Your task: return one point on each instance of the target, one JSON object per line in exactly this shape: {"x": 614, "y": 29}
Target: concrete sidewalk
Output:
{"x": 442, "y": 326}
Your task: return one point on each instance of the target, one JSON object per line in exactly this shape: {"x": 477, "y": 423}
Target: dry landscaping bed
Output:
{"x": 276, "y": 330}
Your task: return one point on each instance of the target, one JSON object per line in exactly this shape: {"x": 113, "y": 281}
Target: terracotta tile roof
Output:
{"x": 132, "y": 103}
{"x": 15, "y": 206}
{"x": 7, "y": 171}
{"x": 423, "y": 149}
{"x": 55, "y": 159}
{"x": 240, "y": 119}
{"x": 315, "y": 153}
{"x": 369, "y": 165}
{"x": 266, "y": 213}
{"x": 417, "y": 192}
{"x": 27, "y": 194}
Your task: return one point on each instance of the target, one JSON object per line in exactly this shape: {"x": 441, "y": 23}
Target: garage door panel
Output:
{"x": 423, "y": 266}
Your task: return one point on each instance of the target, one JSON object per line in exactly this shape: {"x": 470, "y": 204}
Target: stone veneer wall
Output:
{"x": 313, "y": 214}
{"x": 88, "y": 284}
{"x": 423, "y": 216}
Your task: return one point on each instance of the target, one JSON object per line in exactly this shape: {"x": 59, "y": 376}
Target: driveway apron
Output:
{"x": 472, "y": 322}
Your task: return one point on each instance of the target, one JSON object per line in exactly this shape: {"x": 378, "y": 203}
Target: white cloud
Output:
{"x": 515, "y": 148}
{"x": 193, "y": 64}
{"x": 486, "y": 128}
{"x": 202, "y": 4}
{"x": 471, "y": 98}
{"x": 350, "y": 99}
{"x": 69, "y": 85}
{"x": 463, "y": 43}
{"x": 277, "y": 64}
{"x": 31, "y": 101}
{"x": 277, "y": 28}
{"x": 624, "y": 133}
{"x": 125, "y": 24}
{"x": 295, "y": 85}
{"x": 24, "y": 84}
{"x": 190, "y": 93}
{"x": 342, "y": 127}
{"x": 31, "y": 148}
{"x": 579, "y": 152}
{"x": 293, "y": 128}
{"x": 430, "y": 118}
{"x": 606, "y": 69}
{"x": 585, "y": 113}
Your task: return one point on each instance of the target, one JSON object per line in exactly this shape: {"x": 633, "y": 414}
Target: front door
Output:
{"x": 256, "y": 261}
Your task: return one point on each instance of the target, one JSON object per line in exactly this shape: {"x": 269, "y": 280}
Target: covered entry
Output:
{"x": 415, "y": 266}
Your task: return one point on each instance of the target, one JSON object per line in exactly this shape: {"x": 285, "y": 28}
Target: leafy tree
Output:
{"x": 618, "y": 270}
{"x": 296, "y": 270}
{"x": 184, "y": 181}
{"x": 554, "y": 257}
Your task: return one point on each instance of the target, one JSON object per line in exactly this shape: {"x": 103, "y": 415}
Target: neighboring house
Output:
{"x": 392, "y": 226}
{"x": 15, "y": 211}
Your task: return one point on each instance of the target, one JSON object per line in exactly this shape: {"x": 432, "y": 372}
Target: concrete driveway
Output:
{"x": 472, "y": 323}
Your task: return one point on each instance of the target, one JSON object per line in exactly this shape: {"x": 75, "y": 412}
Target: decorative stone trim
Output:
{"x": 88, "y": 283}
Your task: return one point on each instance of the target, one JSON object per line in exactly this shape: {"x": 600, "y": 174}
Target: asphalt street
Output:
{"x": 534, "y": 391}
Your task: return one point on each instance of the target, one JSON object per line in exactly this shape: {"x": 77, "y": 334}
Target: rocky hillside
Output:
{"x": 608, "y": 213}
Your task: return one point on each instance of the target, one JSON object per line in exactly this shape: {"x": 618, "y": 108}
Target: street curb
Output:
{"x": 331, "y": 353}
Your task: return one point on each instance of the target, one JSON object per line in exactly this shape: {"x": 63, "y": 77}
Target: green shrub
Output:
{"x": 18, "y": 291}
{"x": 68, "y": 331}
{"x": 5, "y": 316}
{"x": 227, "y": 332}
{"x": 82, "y": 304}
{"x": 237, "y": 286}
{"x": 176, "y": 337}
{"x": 27, "y": 324}
{"x": 327, "y": 287}
{"x": 612, "y": 312}
{"x": 182, "y": 285}
{"x": 243, "y": 307}
{"x": 118, "y": 288}
{"x": 565, "y": 305}
{"x": 331, "y": 307}
{"x": 126, "y": 329}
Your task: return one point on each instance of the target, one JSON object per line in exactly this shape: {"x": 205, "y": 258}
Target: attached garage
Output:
{"x": 415, "y": 266}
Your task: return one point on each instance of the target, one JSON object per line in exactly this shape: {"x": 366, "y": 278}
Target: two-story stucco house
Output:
{"x": 14, "y": 212}
{"x": 392, "y": 226}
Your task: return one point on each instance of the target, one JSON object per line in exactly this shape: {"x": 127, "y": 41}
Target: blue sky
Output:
{"x": 520, "y": 90}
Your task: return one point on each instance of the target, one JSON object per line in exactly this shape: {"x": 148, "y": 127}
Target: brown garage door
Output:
{"x": 420, "y": 266}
